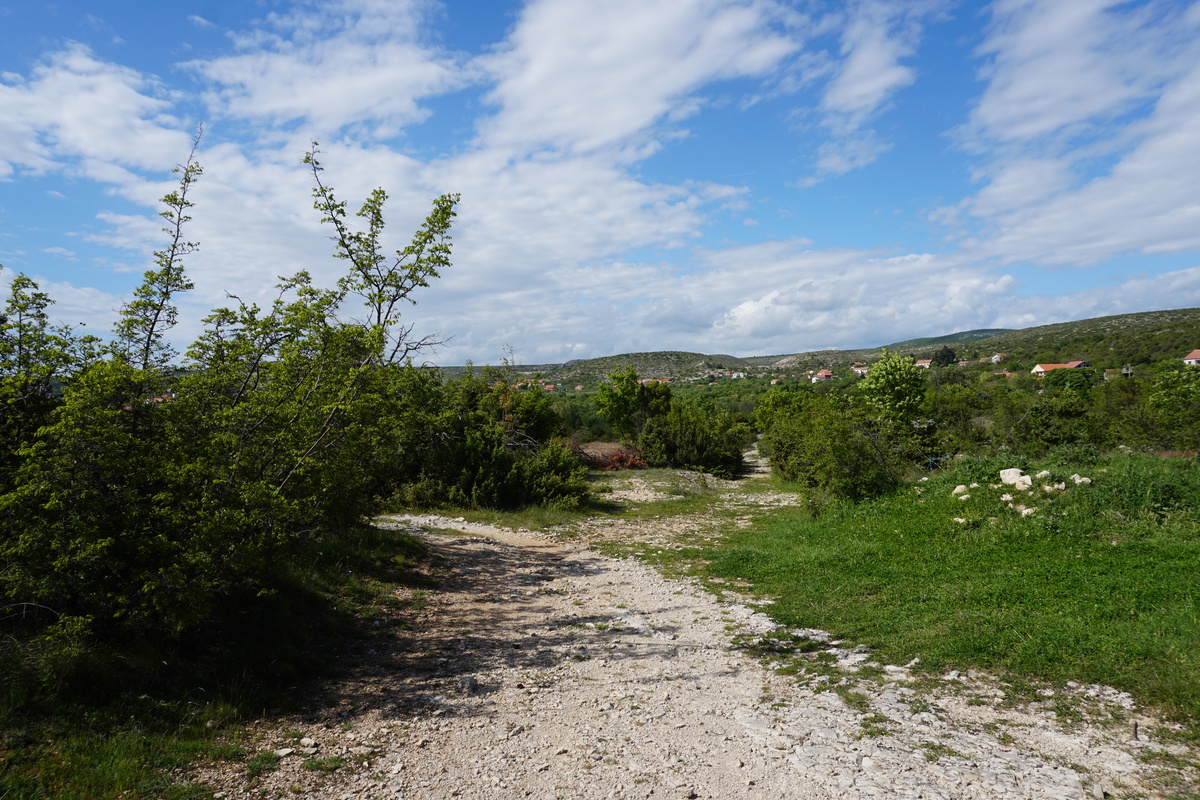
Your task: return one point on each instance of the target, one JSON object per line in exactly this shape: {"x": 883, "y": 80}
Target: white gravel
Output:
{"x": 541, "y": 669}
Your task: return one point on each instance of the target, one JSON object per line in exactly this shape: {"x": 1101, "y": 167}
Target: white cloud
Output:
{"x": 579, "y": 77}
{"x": 85, "y": 308}
{"x": 1177, "y": 289}
{"x": 877, "y": 35}
{"x": 1056, "y": 68}
{"x": 330, "y": 65}
{"x": 871, "y": 71}
{"x": 98, "y": 117}
{"x": 1071, "y": 181}
{"x": 1146, "y": 203}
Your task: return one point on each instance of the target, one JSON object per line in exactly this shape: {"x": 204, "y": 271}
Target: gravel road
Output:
{"x": 542, "y": 669}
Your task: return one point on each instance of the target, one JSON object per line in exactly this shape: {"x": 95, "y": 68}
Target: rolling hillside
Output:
{"x": 1106, "y": 342}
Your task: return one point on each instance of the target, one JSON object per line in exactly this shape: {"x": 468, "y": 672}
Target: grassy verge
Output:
{"x": 1097, "y": 584}
{"x": 115, "y": 723}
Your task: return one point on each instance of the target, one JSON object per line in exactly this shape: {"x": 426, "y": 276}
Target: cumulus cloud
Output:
{"x": 98, "y": 117}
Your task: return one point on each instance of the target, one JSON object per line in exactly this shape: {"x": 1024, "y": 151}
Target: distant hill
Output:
{"x": 1106, "y": 342}
{"x": 661, "y": 364}
{"x": 952, "y": 338}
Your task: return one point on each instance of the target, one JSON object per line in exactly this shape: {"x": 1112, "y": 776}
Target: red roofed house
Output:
{"x": 1040, "y": 370}
{"x": 924, "y": 362}
{"x": 1192, "y": 358}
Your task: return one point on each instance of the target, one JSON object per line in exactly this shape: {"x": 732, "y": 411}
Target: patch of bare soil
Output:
{"x": 541, "y": 668}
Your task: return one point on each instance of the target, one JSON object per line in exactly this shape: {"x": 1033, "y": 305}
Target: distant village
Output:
{"x": 857, "y": 369}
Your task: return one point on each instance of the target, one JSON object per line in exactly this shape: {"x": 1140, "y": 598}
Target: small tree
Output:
{"x": 151, "y": 314}
{"x": 628, "y": 404}
{"x": 894, "y": 387}
{"x": 385, "y": 286}
{"x": 1175, "y": 403}
{"x": 36, "y": 360}
{"x": 944, "y": 357}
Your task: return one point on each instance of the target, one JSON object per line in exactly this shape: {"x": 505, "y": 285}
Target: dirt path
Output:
{"x": 543, "y": 669}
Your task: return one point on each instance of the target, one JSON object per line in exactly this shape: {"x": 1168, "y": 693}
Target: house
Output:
{"x": 924, "y": 362}
{"x": 1192, "y": 358}
{"x": 860, "y": 369}
{"x": 1040, "y": 370}
{"x": 823, "y": 375}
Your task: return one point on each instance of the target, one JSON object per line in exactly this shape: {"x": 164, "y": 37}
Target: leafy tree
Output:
{"x": 779, "y": 404}
{"x": 36, "y": 359}
{"x": 894, "y": 387}
{"x": 957, "y": 410}
{"x": 383, "y": 286}
{"x": 1075, "y": 381}
{"x": 142, "y": 519}
{"x": 1175, "y": 402}
{"x": 944, "y": 357}
{"x": 628, "y": 404}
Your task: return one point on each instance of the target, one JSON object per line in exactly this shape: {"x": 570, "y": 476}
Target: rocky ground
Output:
{"x": 542, "y": 668}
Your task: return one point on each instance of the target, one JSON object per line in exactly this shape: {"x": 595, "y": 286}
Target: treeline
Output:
{"x": 857, "y": 438}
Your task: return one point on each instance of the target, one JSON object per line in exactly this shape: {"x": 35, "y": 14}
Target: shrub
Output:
{"x": 836, "y": 449}
{"x": 707, "y": 439}
{"x": 488, "y": 445}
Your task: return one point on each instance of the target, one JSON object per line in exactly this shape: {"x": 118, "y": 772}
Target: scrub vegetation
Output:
{"x": 182, "y": 537}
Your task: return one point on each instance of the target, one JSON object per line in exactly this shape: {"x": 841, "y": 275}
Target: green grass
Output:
{"x": 326, "y": 764}
{"x": 1098, "y": 586}
{"x": 70, "y": 760}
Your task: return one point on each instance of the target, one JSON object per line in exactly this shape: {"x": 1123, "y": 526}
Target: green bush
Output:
{"x": 837, "y": 449}
{"x": 488, "y": 445}
{"x": 708, "y": 439}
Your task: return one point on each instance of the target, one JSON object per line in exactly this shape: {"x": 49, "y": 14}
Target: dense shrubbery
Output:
{"x": 142, "y": 505}
{"x": 489, "y": 444}
{"x": 834, "y": 449}
{"x": 707, "y": 439}
{"x": 856, "y": 440}
{"x": 671, "y": 433}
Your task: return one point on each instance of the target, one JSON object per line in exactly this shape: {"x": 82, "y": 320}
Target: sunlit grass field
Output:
{"x": 1099, "y": 584}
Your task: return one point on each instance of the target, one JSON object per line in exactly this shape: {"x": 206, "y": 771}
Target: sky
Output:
{"x": 749, "y": 177}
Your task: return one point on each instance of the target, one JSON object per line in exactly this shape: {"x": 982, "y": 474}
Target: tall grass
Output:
{"x": 1100, "y": 584}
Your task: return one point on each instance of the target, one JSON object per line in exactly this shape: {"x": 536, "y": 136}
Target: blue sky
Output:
{"x": 739, "y": 176}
